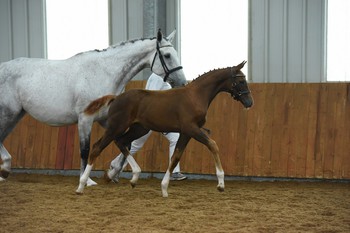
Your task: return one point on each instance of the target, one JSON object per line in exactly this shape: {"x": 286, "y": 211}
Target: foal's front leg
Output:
{"x": 219, "y": 170}
{"x": 211, "y": 144}
{"x": 136, "y": 170}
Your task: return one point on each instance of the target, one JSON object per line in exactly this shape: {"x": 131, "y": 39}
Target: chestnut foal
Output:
{"x": 135, "y": 112}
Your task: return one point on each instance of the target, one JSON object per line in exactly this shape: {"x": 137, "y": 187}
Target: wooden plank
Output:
{"x": 285, "y": 139}
{"x": 76, "y": 152}
{"x": 292, "y": 119}
{"x": 340, "y": 135}
{"x": 69, "y": 149}
{"x": 331, "y": 131}
{"x": 300, "y": 115}
{"x": 260, "y": 103}
{"x": 345, "y": 170}
{"x": 61, "y": 142}
{"x": 276, "y": 129}
{"x": 240, "y": 140}
{"x": 251, "y": 132}
{"x": 53, "y": 147}
{"x": 45, "y": 149}
{"x": 37, "y": 144}
{"x": 22, "y": 153}
{"x": 314, "y": 90}
{"x": 321, "y": 132}
{"x": 267, "y": 132}
{"x": 30, "y": 143}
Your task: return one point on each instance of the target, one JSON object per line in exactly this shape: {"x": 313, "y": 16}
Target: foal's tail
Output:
{"x": 99, "y": 105}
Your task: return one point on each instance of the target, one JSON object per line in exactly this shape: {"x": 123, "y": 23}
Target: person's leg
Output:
{"x": 117, "y": 164}
{"x": 173, "y": 138}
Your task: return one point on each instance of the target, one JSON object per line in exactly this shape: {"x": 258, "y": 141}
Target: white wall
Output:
{"x": 287, "y": 37}
{"x": 130, "y": 19}
{"x": 22, "y": 27}
{"x": 287, "y": 40}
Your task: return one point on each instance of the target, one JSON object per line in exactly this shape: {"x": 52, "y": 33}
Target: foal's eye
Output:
{"x": 167, "y": 55}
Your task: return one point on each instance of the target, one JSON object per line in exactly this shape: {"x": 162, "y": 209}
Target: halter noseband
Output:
{"x": 165, "y": 67}
{"x": 236, "y": 94}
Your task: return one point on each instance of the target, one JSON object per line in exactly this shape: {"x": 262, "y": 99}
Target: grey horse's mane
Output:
{"x": 123, "y": 43}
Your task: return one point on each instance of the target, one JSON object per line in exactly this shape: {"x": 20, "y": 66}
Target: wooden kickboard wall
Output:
{"x": 293, "y": 130}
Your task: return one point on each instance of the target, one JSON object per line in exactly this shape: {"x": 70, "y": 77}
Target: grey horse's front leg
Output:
{"x": 6, "y": 158}
{"x": 84, "y": 127}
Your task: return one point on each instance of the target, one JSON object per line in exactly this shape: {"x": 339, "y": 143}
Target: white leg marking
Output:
{"x": 165, "y": 183}
{"x": 220, "y": 175}
{"x": 135, "y": 170}
{"x": 90, "y": 182}
{"x": 83, "y": 179}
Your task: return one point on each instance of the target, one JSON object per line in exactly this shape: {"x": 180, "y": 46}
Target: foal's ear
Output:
{"x": 159, "y": 35}
{"x": 171, "y": 36}
{"x": 240, "y": 66}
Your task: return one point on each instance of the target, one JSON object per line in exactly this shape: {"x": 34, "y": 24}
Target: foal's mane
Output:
{"x": 208, "y": 73}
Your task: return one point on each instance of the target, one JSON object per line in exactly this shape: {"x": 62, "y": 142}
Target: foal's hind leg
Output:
{"x": 135, "y": 131}
{"x": 179, "y": 149}
{"x": 8, "y": 120}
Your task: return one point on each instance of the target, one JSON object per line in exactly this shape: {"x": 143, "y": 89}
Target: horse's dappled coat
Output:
{"x": 56, "y": 92}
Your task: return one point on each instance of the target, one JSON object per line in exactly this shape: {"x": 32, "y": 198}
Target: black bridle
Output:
{"x": 237, "y": 90}
{"x": 165, "y": 67}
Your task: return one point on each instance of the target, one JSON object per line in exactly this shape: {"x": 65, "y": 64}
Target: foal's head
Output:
{"x": 238, "y": 87}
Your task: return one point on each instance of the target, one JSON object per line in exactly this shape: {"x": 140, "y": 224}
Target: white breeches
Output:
{"x": 138, "y": 144}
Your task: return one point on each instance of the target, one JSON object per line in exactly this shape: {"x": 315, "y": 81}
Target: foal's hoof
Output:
{"x": 90, "y": 182}
{"x": 221, "y": 189}
{"x": 133, "y": 185}
{"x": 106, "y": 177}
{"x": 4, "y": 173}
{"x": 79, "y": 192}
